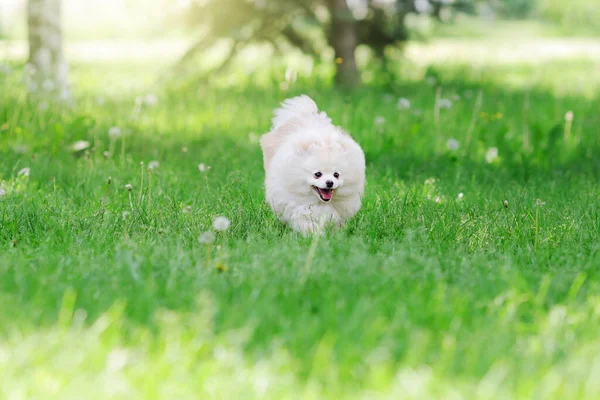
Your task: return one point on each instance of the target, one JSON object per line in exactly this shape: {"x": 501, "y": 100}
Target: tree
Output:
{"x": 49, "y": 70}
{"x": 344, "y": 40}
{"x": 309, "y": 25}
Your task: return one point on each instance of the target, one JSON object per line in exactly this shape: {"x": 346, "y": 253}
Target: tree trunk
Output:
{"x": 344, "y": 40}
{"x": 48, "y": 72}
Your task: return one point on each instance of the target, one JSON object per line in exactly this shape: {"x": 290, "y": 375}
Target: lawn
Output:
{"x": 470, "y": 272}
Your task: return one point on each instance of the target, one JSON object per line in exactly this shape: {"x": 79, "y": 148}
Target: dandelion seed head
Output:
{"x": 221, "y": 223}
{"x": 203, "y": 167}
{"x": 206, "y": 237}
{"x": 491, "y": 155}
{"x": 114, "y": 132}
{"x": 452, "y": 144}
{"x": 80, "y": 145}
{"x": 445, "y": 104}
{"x": 379, "y": 120}
{"x": 460, "y": 196}
{"x": 539, "y": 203}
{"x": 153, "y": 164}
{"x": 24, "y": 172}
{"x": 403, "y": 103}
{"x": 569, "y": 116}
{"x": 129, "y": 187}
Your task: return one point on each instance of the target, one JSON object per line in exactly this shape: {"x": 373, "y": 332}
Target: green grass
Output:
{"x": 423, "y": 295}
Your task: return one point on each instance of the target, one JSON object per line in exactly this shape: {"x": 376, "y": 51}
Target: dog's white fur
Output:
{"x": 302, "y": 142}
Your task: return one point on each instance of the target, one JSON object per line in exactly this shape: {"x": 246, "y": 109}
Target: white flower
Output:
{"x": 460, "y": 196}
{"x": 2, "y": 192}
{"x": 114, "y": 132}
{"x": 445, "y": 103}
{"x": 80, "y": 145}
{"x": 540, "y": 203}
{"x": 491, "y": 155}
{"x": 125, "y": 214}
{"x": 150, "y": 99}
{"x": 379, "y": 120}
{"x": 403, "y": 104}
{"x": 452, "y": 144}
{"x": 48, "y": 85}
{"x": 24, "y": 172}
{"x": 206, "y": 237}
{"x": 438, "y": 199}
{"x": 129, "y": 187}
{"x": 221, "y": 223}
{"x": 153, "y": 164}
{"x": 203, "y": 167}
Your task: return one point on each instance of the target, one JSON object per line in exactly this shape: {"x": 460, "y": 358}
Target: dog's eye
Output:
{"x": 318, "y": 175}
{"x": 336, "y": 175}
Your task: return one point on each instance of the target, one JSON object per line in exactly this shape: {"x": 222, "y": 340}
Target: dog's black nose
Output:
{"x": 329, "y": 184}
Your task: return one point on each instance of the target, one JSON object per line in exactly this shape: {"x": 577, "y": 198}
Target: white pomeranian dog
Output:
{"x": 315, "y": 172}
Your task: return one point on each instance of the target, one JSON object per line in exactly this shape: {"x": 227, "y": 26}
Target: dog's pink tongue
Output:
{"x": 327, "y": 194}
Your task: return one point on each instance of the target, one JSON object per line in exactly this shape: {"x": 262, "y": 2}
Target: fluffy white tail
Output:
{"x": 294, "y": 113}
{"x": 294, "y": 110}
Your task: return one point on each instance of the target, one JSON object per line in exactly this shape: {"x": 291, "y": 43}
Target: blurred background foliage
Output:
{"x": 348, "y": 37}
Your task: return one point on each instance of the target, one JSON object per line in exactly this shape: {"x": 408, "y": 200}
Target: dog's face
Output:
{"x": 328, "y": 170}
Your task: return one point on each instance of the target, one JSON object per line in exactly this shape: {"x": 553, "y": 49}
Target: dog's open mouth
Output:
{"x": 324, "y": 194}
